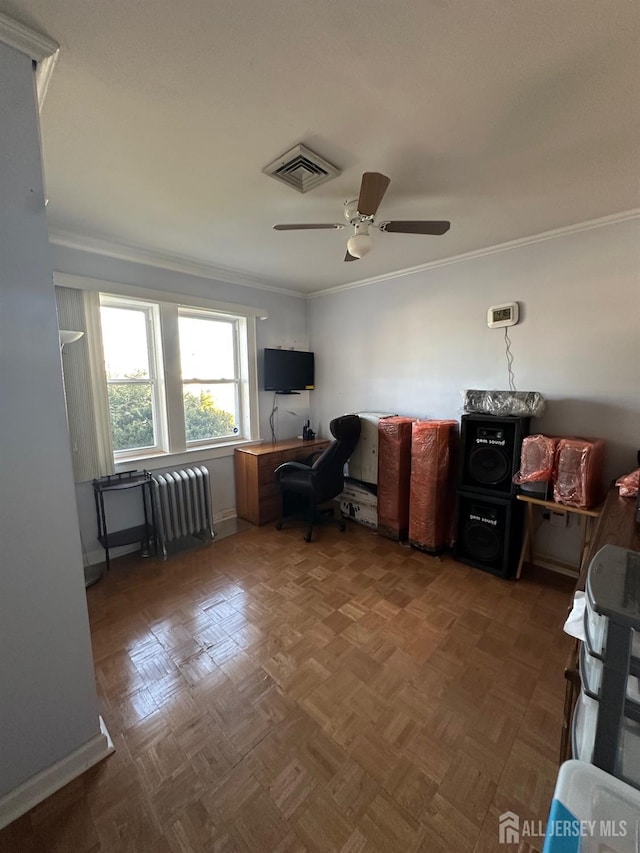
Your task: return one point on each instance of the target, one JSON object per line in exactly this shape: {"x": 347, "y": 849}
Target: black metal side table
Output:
{"x": 143, "y": 533}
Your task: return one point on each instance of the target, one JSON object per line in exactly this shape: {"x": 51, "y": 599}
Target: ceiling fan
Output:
{"x": 360, "y": 213}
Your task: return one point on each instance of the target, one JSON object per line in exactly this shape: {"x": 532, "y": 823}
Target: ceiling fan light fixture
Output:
{"x": 359, "y": 245}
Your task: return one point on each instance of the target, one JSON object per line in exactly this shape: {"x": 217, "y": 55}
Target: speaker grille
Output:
{"x": 491, "y": 453}
{"x": 489, "y": 532}
{"x": 482, "y": 542}
{"x": 488, "y": 466}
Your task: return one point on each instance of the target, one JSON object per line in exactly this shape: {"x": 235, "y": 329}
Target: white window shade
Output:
{"x": 85, "y": 385}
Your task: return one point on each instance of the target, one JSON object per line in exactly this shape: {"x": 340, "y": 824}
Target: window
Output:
{"x": 130, "y": 364}
{"x": 178, "y": 377}
{"x": 208, "y": 357}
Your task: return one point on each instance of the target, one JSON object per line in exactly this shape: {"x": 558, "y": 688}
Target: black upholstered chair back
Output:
{"x": 316, "y": 484}
{"x": 328, "y": 469}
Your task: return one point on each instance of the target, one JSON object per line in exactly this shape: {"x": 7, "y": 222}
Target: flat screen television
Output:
{"x": 288, "y": 370}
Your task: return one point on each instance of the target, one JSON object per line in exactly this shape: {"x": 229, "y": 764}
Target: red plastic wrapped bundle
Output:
{"x": 579, "y": 466}
{"x": 394, "y": 476}
{"x": 537, "y": 458}
{"x": 434, "y": 456}
{"x": 629, "y": 484}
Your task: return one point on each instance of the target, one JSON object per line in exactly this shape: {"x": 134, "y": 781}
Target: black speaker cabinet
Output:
{"x": 490, "y": 453}
{"x": 489, "y": 533}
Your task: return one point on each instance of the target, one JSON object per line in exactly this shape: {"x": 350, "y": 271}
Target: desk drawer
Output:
{"x": 267, "y": 467}
{"x": 269, "y": 490}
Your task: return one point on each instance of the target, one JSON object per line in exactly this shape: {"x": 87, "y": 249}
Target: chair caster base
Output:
{"x": 307, "y": 537}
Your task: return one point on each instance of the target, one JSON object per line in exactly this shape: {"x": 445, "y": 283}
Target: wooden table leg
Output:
{"x": 526, "y": 542}
{"x": 586, "y": 538}
{"x": 572, "y": 691}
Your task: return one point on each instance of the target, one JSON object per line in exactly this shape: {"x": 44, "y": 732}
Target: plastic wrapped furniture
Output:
{"x": 434, "y": 455}
{"x": 363, "y": 464}
{"x": 537, "y": 462}
{"x": 394, "y": 477}
{"x": 629, "y": 484}
{"x": 504, "y": 403}
{"x": 579, "y": 470}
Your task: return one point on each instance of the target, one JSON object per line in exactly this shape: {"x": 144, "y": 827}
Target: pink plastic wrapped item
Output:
{"x": 579, "y": 471}
{"x": 434, "y": 455}
{"x": 394, "y": 476}
{"x": 537, "y": 458}
{"x": 629, "y": 484}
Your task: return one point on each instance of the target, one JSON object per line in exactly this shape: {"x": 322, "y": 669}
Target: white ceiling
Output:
{"x": 508, "y": 117}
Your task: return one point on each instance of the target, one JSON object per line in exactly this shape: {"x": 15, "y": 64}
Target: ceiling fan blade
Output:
{"x": 349, "y": 257}
{"x": 372, "y": 189}
{"x": 435, "y": 227}
{"x": 308, "y": 226}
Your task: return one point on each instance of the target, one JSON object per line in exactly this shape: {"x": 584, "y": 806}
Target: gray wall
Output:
{"x": 48, "y": 704}
{"x": 413, "y": 344}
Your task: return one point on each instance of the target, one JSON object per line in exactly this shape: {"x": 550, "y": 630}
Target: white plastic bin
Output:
{"x": 628, "y": 764}
{"x": 592, "y": 812}
{"x": 591, "y": 675}
{"x": 585, "y": 721}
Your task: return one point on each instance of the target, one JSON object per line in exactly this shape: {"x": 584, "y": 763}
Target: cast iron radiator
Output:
{"x": 182, "y": 506}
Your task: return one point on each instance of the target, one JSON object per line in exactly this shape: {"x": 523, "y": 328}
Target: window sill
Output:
{"x": 193, "y": 456}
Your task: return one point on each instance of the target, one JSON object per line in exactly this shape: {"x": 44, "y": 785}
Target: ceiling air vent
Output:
{"x": 301, "y": 169}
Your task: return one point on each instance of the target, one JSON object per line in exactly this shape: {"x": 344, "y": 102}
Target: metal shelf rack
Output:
{"x": 143, "y": 533}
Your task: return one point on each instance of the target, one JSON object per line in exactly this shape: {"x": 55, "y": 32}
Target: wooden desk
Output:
{"x": 616, "y": 526}
{"x": 589, "y": 515}
{"x": 258, "y": 497}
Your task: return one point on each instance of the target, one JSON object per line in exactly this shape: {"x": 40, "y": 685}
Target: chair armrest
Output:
{"x": 290, "y": 466}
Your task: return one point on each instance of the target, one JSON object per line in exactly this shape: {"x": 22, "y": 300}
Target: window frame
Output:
{"x": 151, "y": 312}
{"x": 234, "y": 322}
{"x": 173, "y": 446}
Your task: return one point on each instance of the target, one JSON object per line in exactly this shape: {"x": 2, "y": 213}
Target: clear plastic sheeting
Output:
{"x": 579, "y": 472}
{"x": 537, "y": 459}
{"x": 629, "y": 484}
{"x": 504, "y": 403}
{"x": 394, "y": 476}
{"x": 434, "y": 456}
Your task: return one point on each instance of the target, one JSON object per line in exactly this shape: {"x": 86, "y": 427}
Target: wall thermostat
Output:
{"x": 502, "y": 315}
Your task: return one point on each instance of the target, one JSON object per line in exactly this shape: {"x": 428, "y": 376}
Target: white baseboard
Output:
{"x": 51, "y": 779}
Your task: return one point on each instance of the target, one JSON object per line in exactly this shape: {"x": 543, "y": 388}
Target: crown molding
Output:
{"x": 161, "y": 260}
{"x": 188, "y": 266}
{"x": 44, "y": 72}
{"x": 41, "y": 49}
{"x": 490, "y": 250}
{"x": 36, "y": 45}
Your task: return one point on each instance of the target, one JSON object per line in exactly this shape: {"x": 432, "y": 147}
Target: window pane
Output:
{"x": 131, "y": 413}
{"x": 124, "y": 335}
{"x": 206, "y": 349}
{"x": 210, "y": 411}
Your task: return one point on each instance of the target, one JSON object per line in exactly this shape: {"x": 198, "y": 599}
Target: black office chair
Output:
{"x": 306, "y": 487}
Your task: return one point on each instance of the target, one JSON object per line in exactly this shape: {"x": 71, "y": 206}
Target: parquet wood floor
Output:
{"x": 351, "y": 694}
